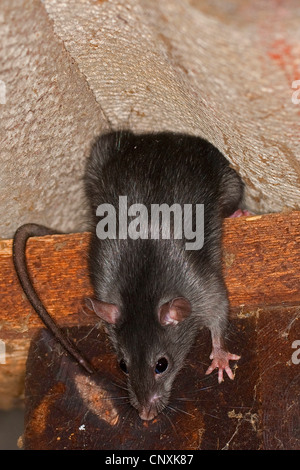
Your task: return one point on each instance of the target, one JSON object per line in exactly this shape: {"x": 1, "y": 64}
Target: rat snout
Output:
{"x": 151, "y": 409}
{"x": 147, "y": 414}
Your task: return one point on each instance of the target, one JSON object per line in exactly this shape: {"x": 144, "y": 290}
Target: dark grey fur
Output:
{"x": 141, "y": 275}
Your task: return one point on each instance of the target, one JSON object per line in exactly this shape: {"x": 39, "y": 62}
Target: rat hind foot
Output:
{"x": 220, "y": 360}
{"x": 240, "y": 213}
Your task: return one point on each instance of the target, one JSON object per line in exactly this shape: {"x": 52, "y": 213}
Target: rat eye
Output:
{"x": 123, "y": 366}
{"x": 161, "y": 365}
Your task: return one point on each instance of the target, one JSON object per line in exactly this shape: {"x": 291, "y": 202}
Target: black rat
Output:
{"x": 153, "y": 294}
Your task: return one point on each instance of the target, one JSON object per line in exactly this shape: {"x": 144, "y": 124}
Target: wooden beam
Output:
{"x": 261, "y": 267}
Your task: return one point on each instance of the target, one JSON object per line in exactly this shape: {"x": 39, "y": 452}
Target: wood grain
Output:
{"x": 261, "y": 267}
{"x": 69, "y": 409}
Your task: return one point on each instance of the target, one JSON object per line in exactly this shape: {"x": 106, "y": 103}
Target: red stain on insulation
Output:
{"x": 283, "y": 54}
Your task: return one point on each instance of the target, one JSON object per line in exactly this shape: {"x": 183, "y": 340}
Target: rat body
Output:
{"x": 154, "y": 294}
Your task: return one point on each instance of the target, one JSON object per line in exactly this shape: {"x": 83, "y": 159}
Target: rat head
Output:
{"x": 151, "y": 350}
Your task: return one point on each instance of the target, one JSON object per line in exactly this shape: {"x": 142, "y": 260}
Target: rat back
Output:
{"x": 158, "y": 169}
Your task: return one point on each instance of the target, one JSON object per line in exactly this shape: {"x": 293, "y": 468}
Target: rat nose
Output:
{"x": 149, "y": 411}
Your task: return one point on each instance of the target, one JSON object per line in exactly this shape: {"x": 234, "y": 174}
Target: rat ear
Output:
{"x": 174, "y": 311}
{"x": 107, "y": 312}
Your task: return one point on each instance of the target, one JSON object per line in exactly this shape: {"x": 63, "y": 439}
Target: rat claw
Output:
{"x": 229, "y": 372}
{"x": 220, "y": 376}
{"x": 233, "y": 357}
{"x": 209, "y": 370}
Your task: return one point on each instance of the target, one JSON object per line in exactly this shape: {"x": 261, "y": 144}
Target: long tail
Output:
{"x": 19, "y": 258}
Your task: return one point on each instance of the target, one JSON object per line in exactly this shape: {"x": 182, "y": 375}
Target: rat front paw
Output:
{"x": 220, "y": 360}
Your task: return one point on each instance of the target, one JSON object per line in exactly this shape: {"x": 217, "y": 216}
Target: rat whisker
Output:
{"x": 213, "y": 416}
{"x": 120, "y": 380}
{"x": 185, "y": 399}
{"x": 196, "y": 393}
{"x": 206, "y": 388}
{"x": 116, "y": 398}
{"x": 232, "y": 407}
{"x": 120, "y": 386}
{"x": 169, "y": 419}
{"x": 174, "y": 408}
{"x": 87, "y": 335}
{"x": 125, "y": 417}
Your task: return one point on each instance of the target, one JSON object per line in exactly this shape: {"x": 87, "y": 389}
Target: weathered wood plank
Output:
{"x": 261, "y": 267}
{"x": 67, "y": 409}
